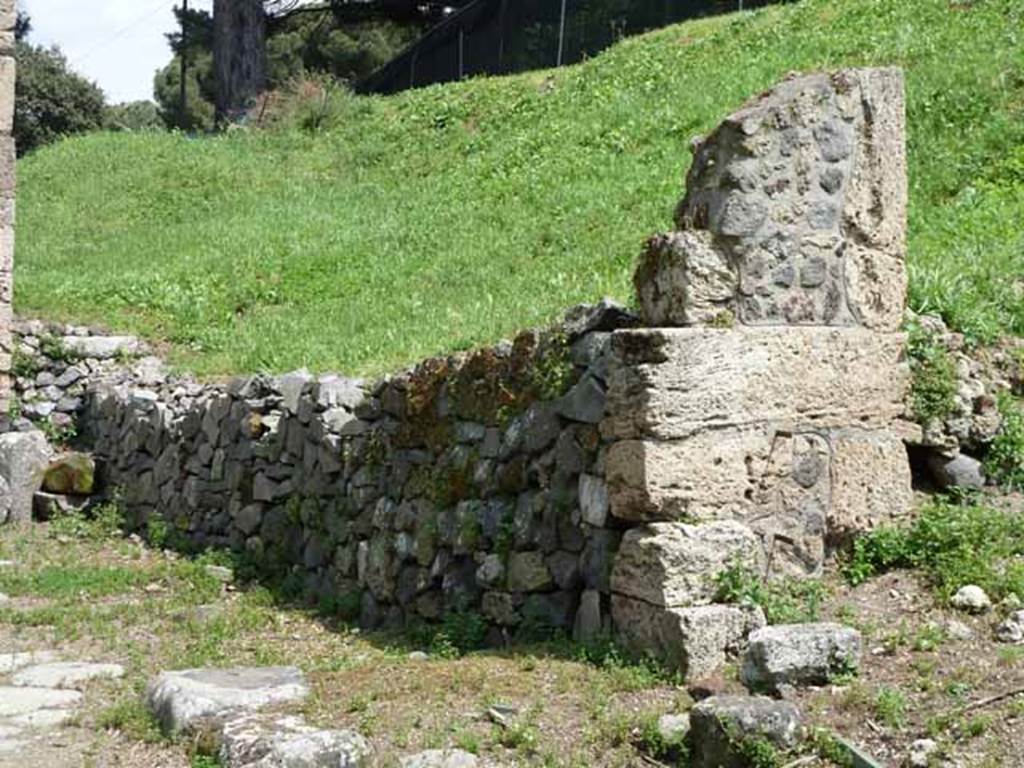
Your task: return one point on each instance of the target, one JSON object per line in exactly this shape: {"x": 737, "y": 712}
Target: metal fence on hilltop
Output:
{"x": 493, "y": 37}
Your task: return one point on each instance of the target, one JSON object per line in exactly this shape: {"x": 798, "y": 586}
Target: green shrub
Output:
{"x": 891, "y": 707}
{"x": 1004, "y": 462}
{"x": 933, "y": 383}
{"x": 953, "y": 545}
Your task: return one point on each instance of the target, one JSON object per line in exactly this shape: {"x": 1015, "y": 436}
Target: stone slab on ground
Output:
{"x": 287, "y": 742}
{"x": 441, "y": 758}
{"x": 13, "y": 661}
{"x": 17, "y": 700}
{"x": 64, "y": 674}
{"x": 182, "y": 699}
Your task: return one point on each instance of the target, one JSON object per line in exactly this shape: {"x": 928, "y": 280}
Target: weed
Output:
{"x": 757, "y": 752}
{"x": 460, "y": 633}
{"x": 953, "y": 544}
{"x": 791, "y": 601}
{"x": 130, "y": 716}
{"x": 1004, "y": 462}
{"x": 933, "y": 383}
{"x": 24, "y": 365}
{"x": 891, "y": 707}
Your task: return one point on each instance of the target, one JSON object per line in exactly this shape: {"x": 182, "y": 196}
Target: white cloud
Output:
{"x": 119, "y": 44}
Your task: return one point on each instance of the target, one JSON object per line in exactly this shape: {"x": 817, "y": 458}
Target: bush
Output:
{"x": 788, "y": 601}
{"x": 133, "y": 116}
{"x": 51, "y": 101}
{"x": 1005, "y": 460}
{"x": 953, "y": 544}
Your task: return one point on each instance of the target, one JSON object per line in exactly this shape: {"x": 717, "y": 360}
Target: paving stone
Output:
{"x": 16, "y": 700}
{"x": 441, "y": 758}
{"x": 64, "y": 674}
{"x": 10, "y": 662}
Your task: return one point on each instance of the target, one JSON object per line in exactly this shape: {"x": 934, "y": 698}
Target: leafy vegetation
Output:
{"x": 934, "y": 382}
{"x": 451, "y": 216}
{"x": 784, "y": 601}
{"x": 953, "y": 545}
{"x": 1004, "y": 462}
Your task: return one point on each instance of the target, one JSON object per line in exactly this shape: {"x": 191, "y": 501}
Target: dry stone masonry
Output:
{"x": 595, "y": 477}
{"x": 7, "y": 162}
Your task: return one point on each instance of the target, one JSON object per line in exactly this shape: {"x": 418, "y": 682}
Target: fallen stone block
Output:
{"x": 287, "y": 742}
{"x": 720, "y": 725}
{"x": 800, "y": 654}
{"x": 181, "y": 700}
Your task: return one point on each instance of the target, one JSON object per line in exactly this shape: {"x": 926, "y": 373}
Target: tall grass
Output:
{"x": 451, "y": 216}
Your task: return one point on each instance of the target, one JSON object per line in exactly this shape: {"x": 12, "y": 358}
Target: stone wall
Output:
{"x": 7, "y": 167}
{"x": 600, "y": 475}
{"x": 471, "y": 482}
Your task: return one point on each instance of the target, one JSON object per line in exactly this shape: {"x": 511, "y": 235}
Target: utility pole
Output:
{"x": 183, "y": 94}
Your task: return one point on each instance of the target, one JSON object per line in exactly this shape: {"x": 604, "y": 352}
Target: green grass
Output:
{"x": 452, "y": 216}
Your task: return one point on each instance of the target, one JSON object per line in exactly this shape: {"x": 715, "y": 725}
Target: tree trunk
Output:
{"x": 239, "y": 55}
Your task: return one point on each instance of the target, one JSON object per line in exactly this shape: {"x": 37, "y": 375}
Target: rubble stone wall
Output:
{"x": 7, "y": 185}
{"x": 472, "y": 482}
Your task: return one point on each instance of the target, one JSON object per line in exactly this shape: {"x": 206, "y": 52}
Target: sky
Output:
{"x": 119, "y": 44}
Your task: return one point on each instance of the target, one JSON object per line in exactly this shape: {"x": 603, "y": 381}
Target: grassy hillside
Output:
{"x": 454, "y": 215}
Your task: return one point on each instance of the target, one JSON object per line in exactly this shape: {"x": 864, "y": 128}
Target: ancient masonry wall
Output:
{"x": 7, "y": 179}
{"x": 599, "y": 475}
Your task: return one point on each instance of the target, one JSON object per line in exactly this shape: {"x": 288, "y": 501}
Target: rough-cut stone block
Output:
{"x": 7, "y": 70}
{"x": 24, "y": 457}
{"x": 676, "y": 564}
{"x": 695, "y": 641}
{"x": 804, "y": 192}
{"x": 287, "y": 742}
{"x": 800, "y": 654}
{"x": 719, "y": 725}
{"x": 872, "y": 482}
{"x": 683, "y": 280}
{"x": 672, "y": 383}
{"x": 181, "y": 700}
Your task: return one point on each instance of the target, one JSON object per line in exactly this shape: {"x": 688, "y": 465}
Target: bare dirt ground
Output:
{"x": 106, "y": 598}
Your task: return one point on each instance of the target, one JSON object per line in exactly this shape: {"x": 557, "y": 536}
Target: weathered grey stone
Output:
{"x": 719, "y": 725}
{"x": 674, "y": 728}
{"x": 440, "y": 758}
{"x": 527, "y": 572}
{"x": 675, "y": 564}
{"x": 1011, "y": 629}
{"x": 103, "y": 347}
{"x": 17, "y": 700}
{"x": 64, "y": 674}
{"x": 695, "y": 641}
{"x": 684, "y": 280}
{"x": 593, "y": 494}
{"x": 961, "y": 471}
{"x": 287, "y": 742}
{"x": 181, "y": 700}
{"x": 800, "y": 654}
{"x": 606, "y": 315}
{"x": 291, "y": 386}
{"x": 11, "y": 662}
{"x": 585, "y": 402}
{"x": 24, "y": 457}
{"x": 588, "y": 624}
{"x": 972, "y": 599}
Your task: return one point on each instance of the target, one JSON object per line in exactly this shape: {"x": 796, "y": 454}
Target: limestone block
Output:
{"x": 804, "y": 191}
{"x": 672, "y": 383}
{"x": 182, "y": 699}
{"x": 720, "y": 724}
{"x": 683, "y": 280}
{"x": 800, "y": 654}
{"x": 871, "y": 481}
{"x": 676, "y": 565}
{"x": 24, "y": 457}
{"x": 695, "y": 641}
{"x": 7, "y": 73}
{"x": 254, "y": 741}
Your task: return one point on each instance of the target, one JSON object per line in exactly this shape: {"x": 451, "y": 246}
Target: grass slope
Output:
{"x": 452, "y": 216}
